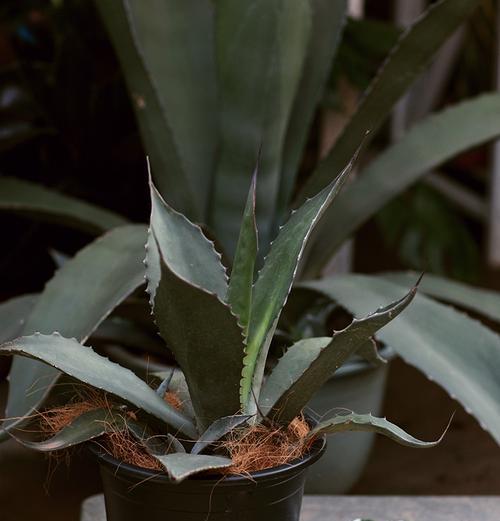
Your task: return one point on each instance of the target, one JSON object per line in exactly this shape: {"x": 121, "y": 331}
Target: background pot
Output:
{"x": 360, "y": 387}
{"x": 134, "y": 494}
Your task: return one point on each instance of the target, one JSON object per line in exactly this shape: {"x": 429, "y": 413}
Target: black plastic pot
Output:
{"x": 135, "y": 494}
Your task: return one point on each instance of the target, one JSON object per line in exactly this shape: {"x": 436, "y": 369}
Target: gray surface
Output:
{"x": 377, "y": 508}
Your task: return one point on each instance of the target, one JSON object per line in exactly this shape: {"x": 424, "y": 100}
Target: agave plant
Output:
{"x": 246, "y": 78}
{"x": 219, "y": 329}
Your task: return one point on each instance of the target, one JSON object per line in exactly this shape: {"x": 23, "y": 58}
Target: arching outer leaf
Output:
{"x": 274, "y": 283}
{"x": 428, "y": 144}
{"x": 75, "y": 301}
{"x": 239, "y": 294}
{"x": 327, "y": 22}
{"x": 404, "y": 64}
{"x": 207, "y": 343}
{"x": 13, "y": 315}
{"x": 22, "y": 196}
{"x": 309, "y": 363}
{"x": 180, "y": 466}
{"x": 369, "y": 423}
{"x": 457, "y": 352}
{"x": 184, "y": 249}
{"x": 217, "y": 430}
{"x": 88, "y": 426}
{"x": 82, "y": 363}
{"x": 480, "y": 300}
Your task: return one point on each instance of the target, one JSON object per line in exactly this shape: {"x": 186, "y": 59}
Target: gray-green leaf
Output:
{"x": 82, "y": 363}
{"x": 74, "y": 302}
{"x": 481, "y": 300}
{"x": 426, "y": 145}
{"x": 207, "y": 342}
{"x": 405, "y": 63}
{"x": 239, "y": 294}
{"x": 275, "y": 281}
{"x": 369, "y": 350}
{"x": 184, "y": 249}
{"x": 13, "y": 315}
{"x": 328, "y": 19}
{"x": 309, "y": 363}
{"x": 30, "y": 198}
{"x": 369, "y": 423}
{"x": 87, "y": 426}
{"x": 217, "y": 430}
{"x": 180, "y": 466}
{"x": 459, "y": 353}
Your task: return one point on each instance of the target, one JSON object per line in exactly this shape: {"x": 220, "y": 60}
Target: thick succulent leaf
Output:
{"x": 184, "y": 249}
{"x": 75, "y": 301}
{"x": 309, "y": 363}
{"x": 369, "y": 350}
{"x": 207, "y": 343}
{"x": 260, "y": 50}
{"x": 239, "y": 293}
{"x": 428, "y": 144}
{"x": 405, "y": 63}
{"x": 183, "y": 78}
{"x": 82, "y": 363}
{"x": 156, "y": 445}
{"x": 480, "y": 300}
{"x": 187, "y": 284}
{"x": 178, "y": 385}
{"x": 180, "y": 466}
{"x": 368, "y": 423}
{"x": 157, "y": 134}
{"x": 13, "y": 315}
{"x": 275, "y": 281}
{"x": 217, "y": 430}
{"x": 327, "y": 22}
{"x": 456, "y": 351}
{"x": 86, "y": 427}
{"x": 25, "y": 197}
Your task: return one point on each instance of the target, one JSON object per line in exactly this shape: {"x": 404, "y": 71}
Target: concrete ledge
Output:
{"x": 376, "y": 508}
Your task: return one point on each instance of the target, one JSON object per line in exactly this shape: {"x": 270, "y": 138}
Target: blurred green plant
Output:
{"x": 429, "y": 235}
{"x": 212, "y": 83}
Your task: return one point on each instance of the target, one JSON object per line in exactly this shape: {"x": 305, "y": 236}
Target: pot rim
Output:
{"x": 317, "y": 450}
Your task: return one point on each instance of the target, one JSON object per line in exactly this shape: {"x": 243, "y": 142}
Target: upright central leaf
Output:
{"x": 187, "y": 284}
{"x": 241, "y": 283}
{"x": 275, "y": 281}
